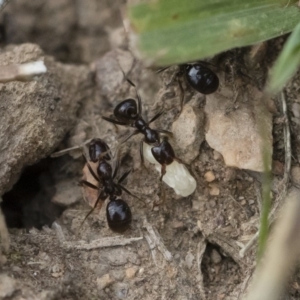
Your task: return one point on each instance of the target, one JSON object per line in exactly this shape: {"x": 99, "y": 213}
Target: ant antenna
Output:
{"x": 135, "y": 88}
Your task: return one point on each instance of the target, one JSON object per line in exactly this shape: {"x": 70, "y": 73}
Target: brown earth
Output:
{"x": 189, "y": 247}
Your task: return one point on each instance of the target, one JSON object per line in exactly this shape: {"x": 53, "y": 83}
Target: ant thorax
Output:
{"x": 177, "y": 175}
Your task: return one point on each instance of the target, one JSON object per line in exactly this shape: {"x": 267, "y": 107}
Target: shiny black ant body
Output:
{"x": 129, "y": 113}
{"x": 118, "y": 213}
{"x": 201, "y": 78}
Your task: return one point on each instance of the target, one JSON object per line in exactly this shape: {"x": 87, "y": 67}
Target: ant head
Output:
{"x": 151, "y": 136}
{"x": 118, "y": 215}
{"x": 126, "y": 110}
{"x": 97, "y": 148}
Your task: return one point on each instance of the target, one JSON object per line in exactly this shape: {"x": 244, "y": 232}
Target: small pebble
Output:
{"x": 177, "y": 224}
{"x": 215, "y": 257}
{"x": 243, "y": 202}
{"x": 121, "y": 290}
{"x": 104, "y": 281}
{"x": 212, "y": 203}
{"x": 130, "y": 272}
{"x": 217, "y": 155}
{"x": 188, "y": 132}
{"x": 141, "y": 271}
{"x": 172, "y": 272}
{"x": 117, "y": 275}
{"x": 277, "y": 167}
{"x": 196, "y": 205}
{"x": 209, "y": 176}
{"x": 229, "y": 175}
{"x": 189, "y": 260}
{"x": 296, "y": 110}
{"x": 214, "y": 190}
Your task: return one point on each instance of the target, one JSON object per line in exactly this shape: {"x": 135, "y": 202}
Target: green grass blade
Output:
{"x": 175, "y": 31}
{"x": 266, "y": 201}
{"x": 287, "y": 63}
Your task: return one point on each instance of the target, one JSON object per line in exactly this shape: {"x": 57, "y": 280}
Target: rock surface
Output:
{"x": 236, "y": 134}
{"x": 36, "y": 115}
{"x": 188, "y": 132}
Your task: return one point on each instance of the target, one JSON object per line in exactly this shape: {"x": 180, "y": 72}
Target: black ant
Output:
{"x": 129, "y": 113}
{"x": 118, "y": 213}
{"x": 199, "y": 77}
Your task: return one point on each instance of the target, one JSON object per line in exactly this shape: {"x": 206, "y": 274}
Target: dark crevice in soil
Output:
{"x": 29, "y": 204}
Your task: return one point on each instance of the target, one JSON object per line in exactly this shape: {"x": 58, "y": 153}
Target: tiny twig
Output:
{"x": 200, "y": 252}
{"x": 249, "y": 245}
{"x": 239, "y": 205}
{"x": 156, "y": 238}
{"x": 101, "y": 243}
{"x": 152, "y": 247}
{"x": 258, "y": 196}
{"x": 59, "y": 233}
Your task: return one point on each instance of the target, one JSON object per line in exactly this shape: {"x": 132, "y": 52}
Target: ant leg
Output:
{"x": 84, "y": 182}
{"x": 162, "y": 187}
{"x": 137, "y": 94}
{"x": 156, "y": 116}
{"x": 168, "y": 133}
{"x": 116, "y": 169}
{"x": 136, "y": 91}
{"x": 124, "y": 176}
{"x": 90, "y": 168}
{"x": 163, "y": 171}
{"x": 161, "y": 70}
{"x": 174, "y": 75}
{"x": 89, "y": 213}
{"x": 129, "y": 136}
{"x": 162, "y": 196}
{"x": 129, "y": 193}
{"x": 113, "y": 121}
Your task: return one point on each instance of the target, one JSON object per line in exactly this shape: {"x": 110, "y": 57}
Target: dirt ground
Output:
{"x": 185, "y": 248}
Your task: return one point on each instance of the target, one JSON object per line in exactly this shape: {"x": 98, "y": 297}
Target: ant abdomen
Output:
{"x": 118, "y": 215}
{"x": 201, "y": 78}
{"x": 163, "y": 153}
{"x": 126, "y": 110}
